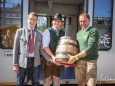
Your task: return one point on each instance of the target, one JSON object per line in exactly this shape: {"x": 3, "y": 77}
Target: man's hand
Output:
{"x": 16, "y": 69}
{"x": 72, "y": 59}
{"x": 54, "y": 61}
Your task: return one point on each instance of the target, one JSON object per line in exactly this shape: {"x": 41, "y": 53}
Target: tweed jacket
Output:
{"x": 20, "y": 49}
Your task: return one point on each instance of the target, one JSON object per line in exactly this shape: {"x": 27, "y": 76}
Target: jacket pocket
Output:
{"x": 23, "y": 40}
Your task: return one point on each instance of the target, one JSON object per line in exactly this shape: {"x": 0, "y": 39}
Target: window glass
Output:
{"x": 103, "y": 21}
{"x": 10, "y": 21}
{"x": 42, "y": 23}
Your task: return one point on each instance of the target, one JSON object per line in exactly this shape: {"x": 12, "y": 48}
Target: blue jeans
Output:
{"x": 31, "y": 71}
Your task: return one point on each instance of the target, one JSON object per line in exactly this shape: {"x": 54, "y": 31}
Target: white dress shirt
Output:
{"x": 46, "y": 37}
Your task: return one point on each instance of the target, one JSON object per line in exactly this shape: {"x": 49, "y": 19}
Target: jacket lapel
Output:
{"x": 35, "y": 36}
{"x": 27, "y": 34}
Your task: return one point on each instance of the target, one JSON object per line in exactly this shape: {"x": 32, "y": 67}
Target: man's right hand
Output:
{"x": 55, "y": 62}
{"x": 16, "y": 69}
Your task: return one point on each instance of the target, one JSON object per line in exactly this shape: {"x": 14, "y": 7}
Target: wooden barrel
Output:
{"x": 67, "y": 45}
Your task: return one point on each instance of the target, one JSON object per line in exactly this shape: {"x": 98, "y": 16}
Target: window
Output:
{"x": 103, "y": 21}
{"x": 9, "y": 21}
{"x": 42, "y": 23}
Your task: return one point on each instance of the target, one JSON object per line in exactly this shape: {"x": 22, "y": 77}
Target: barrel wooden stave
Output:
{"x": 66, "y": 46}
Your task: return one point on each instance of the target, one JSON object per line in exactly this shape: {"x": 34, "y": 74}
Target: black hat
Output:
{"x": 58, "y": 16}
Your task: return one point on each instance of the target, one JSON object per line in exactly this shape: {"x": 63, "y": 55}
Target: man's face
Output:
{"x": 32, "y": 20}
{"x": 84, "y": 22}
{"x": 56, "y": 23}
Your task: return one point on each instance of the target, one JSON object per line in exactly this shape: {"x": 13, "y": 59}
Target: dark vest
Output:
{"x": 54, "y": 38}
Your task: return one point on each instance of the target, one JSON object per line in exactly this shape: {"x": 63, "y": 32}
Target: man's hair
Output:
{"x": 33, "y": 13}
{"x": 85, "y": 14}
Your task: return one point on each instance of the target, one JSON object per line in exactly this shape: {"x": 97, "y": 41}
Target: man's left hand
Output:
{"x": 72, "y": 59}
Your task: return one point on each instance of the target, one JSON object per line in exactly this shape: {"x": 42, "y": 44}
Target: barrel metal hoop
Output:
{"x": 62, "y": 59}
{"x": 67, "y": 37}
{"x": 68, "y": 43}
{"x": 65, "y": 53}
